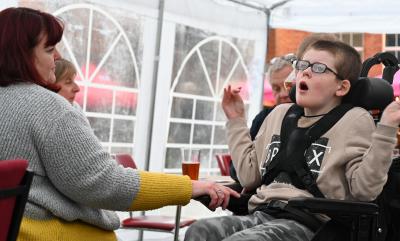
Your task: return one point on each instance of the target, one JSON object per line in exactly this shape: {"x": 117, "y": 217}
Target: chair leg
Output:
{"x": 140, "y": 234}
{"x": 177, "y": 222}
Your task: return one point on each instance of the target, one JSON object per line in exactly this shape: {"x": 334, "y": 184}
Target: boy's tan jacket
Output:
{"x": 353, "y": 165}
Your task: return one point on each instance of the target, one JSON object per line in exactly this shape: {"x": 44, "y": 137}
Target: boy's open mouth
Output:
{"x": 303, "y": 86}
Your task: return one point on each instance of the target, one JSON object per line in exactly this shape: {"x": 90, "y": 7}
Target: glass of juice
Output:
{"x": 190, "y": 162}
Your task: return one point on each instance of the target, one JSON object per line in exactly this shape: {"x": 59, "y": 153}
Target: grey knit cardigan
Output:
{"x": 74, "y": 178}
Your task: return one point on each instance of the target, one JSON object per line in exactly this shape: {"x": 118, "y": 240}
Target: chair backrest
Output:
{"x": 126, "y": 160}
{"x": 15, "y": 182}
{"x": 224, "y": 162}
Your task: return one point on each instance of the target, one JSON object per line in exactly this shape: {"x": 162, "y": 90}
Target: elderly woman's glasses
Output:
{"x": 315, "y": 67}
{"x": 288, "y": 57}
{"x": 290, "y": 81}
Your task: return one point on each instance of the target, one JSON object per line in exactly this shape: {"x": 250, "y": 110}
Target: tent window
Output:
{"x": 204, "y": 63}
{"x": 106, "y": 47}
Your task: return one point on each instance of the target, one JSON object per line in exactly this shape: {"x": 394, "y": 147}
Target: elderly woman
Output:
{"x": 76, "y": 185}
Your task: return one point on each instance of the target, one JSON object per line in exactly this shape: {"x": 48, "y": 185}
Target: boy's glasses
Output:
{"x": 315, "y": 67}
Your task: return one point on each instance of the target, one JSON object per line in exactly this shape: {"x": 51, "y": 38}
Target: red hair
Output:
{"x": 21, "y": 30}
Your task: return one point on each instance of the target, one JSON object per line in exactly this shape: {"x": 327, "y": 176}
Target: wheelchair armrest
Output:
{"x": 239, "y": 206}
{"x": 334, "y": 207}
{"x": 235, "y": 186}
{"x": 205, "y": 199}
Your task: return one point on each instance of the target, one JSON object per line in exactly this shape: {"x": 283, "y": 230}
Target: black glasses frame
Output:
{"x": 315, "y": 67}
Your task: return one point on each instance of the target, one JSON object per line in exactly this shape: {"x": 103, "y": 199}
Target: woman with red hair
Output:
{"x": 76, "y": 184}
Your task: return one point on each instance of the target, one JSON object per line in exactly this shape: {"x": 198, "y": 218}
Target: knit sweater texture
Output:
{"x": 75, "y": 180}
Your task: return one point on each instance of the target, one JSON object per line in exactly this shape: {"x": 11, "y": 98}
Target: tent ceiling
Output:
{"x": 373, "y": 16}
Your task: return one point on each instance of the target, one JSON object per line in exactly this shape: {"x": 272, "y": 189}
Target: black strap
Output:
{"x": 327, "y": 121}
{"x": 295, "y": 160}
{"x": 289, "y": 120}
{"x": 308, "y": 180}
{"x": 279, "y": 209}
{"x": 313, "y": 133}
{"x": 10, "y": 192}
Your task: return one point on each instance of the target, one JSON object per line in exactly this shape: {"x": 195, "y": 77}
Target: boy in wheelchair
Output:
{"x": 348, "y": 161}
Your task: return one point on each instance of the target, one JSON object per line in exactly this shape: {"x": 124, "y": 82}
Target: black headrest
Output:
{"x": 368, "y": 93}
{"x": 387, "y": 59}
{"x": 371, "y": 93}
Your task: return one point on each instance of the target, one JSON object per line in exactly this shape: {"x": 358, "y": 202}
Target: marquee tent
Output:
{"x": 368, "y": 16}
{"x": 162, "y": 64}
{"x": 173, "y": 54}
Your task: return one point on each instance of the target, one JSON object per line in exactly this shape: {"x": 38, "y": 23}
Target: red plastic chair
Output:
{"x": 224, "y": 162}
{"x": 152, "y": 223}
{"x": 15, "y": 182}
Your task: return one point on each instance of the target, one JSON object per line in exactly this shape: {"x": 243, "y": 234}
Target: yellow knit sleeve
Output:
{"x": 159, "y": 189}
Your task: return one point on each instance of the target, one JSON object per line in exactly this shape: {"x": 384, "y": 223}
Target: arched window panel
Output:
{"x": 123, "y": 131}
{"x": 204, "y": 159}
{"x": 126, "y": 103}
{"x": 101, "y": 127}
{"x": 76, "y": 32}
{"x": 239, "y": 78}
{"x": 192, "y": 78}
{"x": 106, "y": 46}
{"x": 229, "y": 63}
{"x": 202, "y": 134}
{"x": 204, "y": 110}
{"x": 116, "y": 71}
{"x": 204, "y": 63}
{"x": 219, "y": 115}
{"x": 99, "y": 100}
{"x": 220, "y": 135}
{"x": 185, "y": 39}
{"x": 119, "y": 149}
{"x": 182, "y": 107}
{"x": 179, "y": 133}
{"x": 208, "y": 53}
{"x": 173, "y": 154}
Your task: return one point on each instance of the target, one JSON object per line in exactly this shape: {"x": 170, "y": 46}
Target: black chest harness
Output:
{"x": 290, "y": 158}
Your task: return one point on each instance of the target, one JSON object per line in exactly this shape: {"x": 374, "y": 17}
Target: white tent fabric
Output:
{"x": 366, "y": 16}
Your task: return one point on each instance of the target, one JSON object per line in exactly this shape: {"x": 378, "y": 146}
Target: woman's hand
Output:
{"x": 391, "y": 114}
{"x": 232, "y": 103}
{"x": 218, "y": 193}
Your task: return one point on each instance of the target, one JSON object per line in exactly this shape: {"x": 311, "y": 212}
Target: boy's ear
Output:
{"x": 343, "y": 88}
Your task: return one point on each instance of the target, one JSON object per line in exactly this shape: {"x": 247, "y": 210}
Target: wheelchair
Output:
{"x": 354, "y": 221}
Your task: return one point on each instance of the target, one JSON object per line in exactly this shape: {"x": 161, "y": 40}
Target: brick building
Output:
{"x": 283, "y": 41}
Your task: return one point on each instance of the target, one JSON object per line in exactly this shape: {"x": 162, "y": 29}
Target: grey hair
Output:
{"x": 277, "y": 65}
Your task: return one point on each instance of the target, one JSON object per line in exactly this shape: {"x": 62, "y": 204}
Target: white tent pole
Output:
{"x": 154, "y": 82}
{"x": 267, "y": 11}
{"x": 153, "y": 94}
